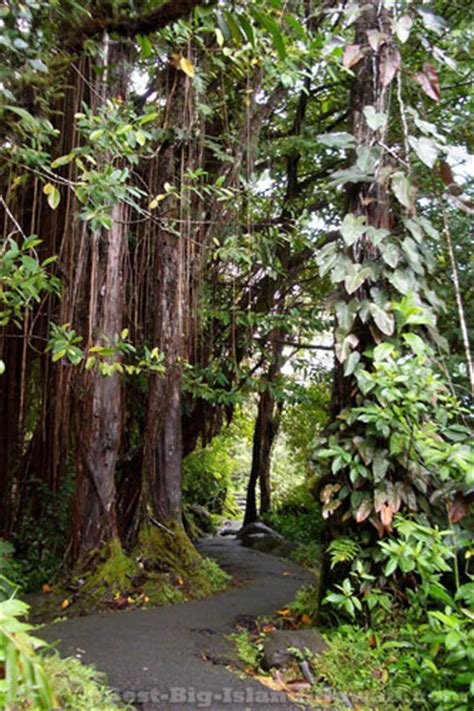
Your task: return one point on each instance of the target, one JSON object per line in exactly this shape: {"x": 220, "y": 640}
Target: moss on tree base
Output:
{"x": 163, "y": 568}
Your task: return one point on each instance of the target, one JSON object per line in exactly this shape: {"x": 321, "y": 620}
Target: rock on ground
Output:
{"x": 277, "y": 644}
{"x": 262, "y": 538}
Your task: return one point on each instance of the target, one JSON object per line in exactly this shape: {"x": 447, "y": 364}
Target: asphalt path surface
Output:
{"x": 174, "y": 657}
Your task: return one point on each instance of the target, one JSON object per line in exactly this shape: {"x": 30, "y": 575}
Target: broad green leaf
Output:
{"x": 146, "y": 118}
{"x": 433, "y": 22}
{"x": 141, "y": 138}
{"x": 296, "y": 26}
{"x": 271, "y": 26}
{"x": 233, "y": 27}
{"x": 403, "y": 190}
{"x": 385, "y": 321}
{"x": 23, "y": 114}
{"x": 402, "y": 28}
{"x": 375, "y": 119}
{"x": 376, "y": 234}
{"x": 53, "y": 195}
{"x": 346, "y": 314}
{"x": 417, "y": 344}
{"x": 63, "y": 160}
{"x": 426, "y": 149}
{"x": 95, "y": 135}
{"x": 402, "y": 280}
{"x": 367, "y": 157}
{"x": 380, "y": 465}
{"x": 344, "y": 347}
{"x": 351, "y": 363}
{"x": 414, "y": 226}
{"x": 247, "y": 28}
{"x": 413, "y": 255}
{"x": 383, "y": 351}
{"x": 337, "y": 140}
{"x": 353, "y": 281}
{"x": 390, "y": 254}
{"x": 352, "y": 228}
{"x": 145, "y": 45}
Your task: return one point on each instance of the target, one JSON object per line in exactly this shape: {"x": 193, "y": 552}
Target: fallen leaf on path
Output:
{"x": 324, "y": 700}
{"x": 284, "y": 612}
{"x": 298, "y": 685}
{"x": 274, "y": 684}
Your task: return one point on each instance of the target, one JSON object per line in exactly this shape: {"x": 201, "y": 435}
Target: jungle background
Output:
{"x": 236, "y": 282}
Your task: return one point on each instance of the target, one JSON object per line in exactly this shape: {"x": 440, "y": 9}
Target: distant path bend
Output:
{"x": 156, "y": 655}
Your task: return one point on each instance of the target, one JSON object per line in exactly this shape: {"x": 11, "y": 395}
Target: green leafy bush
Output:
{"x": 402, "y": 446}
{"x": 298, "y": 517}
{"x": 32, "y": 680}
{"x": 211, "y": 474}
{"x": 23, "y": 671}
{"x": 10, "y": 570}
{"x": 39, "y": 550}
{"x": 434, "y": 638}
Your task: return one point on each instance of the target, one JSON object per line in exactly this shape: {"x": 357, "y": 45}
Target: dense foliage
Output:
{"x": 234, "y": 255}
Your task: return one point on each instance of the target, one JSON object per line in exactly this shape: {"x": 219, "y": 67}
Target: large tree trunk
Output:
{"x": 265, "y": 432}
{"x": 163, "y": 448}
{"x": 99, "y": 417}
{"x": 369, "y": 198}
{"x": 162, "y": 453}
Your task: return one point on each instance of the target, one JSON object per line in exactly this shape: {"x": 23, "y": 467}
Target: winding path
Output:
{"x": 174, "y": 657}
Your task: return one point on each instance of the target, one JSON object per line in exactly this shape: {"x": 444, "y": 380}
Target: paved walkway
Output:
{"x": 155, "y": 658}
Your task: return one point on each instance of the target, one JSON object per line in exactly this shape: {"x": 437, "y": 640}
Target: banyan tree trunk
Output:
{"x": 100, "y": 401}
{"x": 369, "y": 198}
{"x": 167, "y": 304}
{"x": 265, "y": 432}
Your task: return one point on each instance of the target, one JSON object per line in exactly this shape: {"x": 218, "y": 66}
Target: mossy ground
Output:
{"x": 163, "y": 568}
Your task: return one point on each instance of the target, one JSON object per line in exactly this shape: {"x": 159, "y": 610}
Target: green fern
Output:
{"x": 343, "y": 550}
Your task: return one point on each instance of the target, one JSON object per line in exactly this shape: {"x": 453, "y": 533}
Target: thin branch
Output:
{"x": 457, "y": 291}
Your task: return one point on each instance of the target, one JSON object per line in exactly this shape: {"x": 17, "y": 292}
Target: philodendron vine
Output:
{"x": 395, "y": 442}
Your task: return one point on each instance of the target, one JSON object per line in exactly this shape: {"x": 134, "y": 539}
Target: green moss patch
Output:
{"x": 163, "y": 568}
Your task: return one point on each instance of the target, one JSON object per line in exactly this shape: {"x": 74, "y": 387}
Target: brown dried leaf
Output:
{"x": 446, "y": 175}
{"x": 363, "y": 511}
{"x": 298, "y": 685}
{"x": 389, "y": 66}
{"x": 428, "y": 80}
{"x": 376, "y": 39}
{"x": 376, "y": 523}
{"x": 275, "y": 684}
{"x": 386, "y": 515}
{"x": 459, "y": 507}
{"x": 352, "y": 55}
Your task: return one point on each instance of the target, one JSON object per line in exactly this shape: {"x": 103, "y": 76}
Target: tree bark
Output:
{"x": 265, "y": 432}
{"x": 99, "y": 418}
{"x": 370, "y": 198}
{"x": 163, "y": 448}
